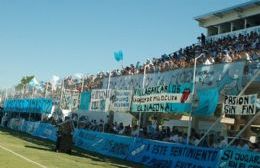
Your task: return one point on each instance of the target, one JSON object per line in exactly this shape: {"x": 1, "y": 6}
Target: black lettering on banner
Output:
{"x": 229, "y": 109}
{"x": 240, "y": 159}
{"x": 248, "y": 109}
{"x": 193, "y": 153}
{"x": 174, "y": 89}
{"x": 253, "y": 159}
{"x": 186, "y": 164}
{"x": 139, "y": 108}
{"x": 235, "y": 100}
{"x": 227, "y": 154}
{"x": 235, "y": 164}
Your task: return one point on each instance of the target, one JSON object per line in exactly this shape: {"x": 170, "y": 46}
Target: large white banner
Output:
{"x": 70, "y": 99}
{"x": 161, "y": 98}
{"x": 99, "y": 100}
{"x": 120, "y": 100}
{"x": 240, "y": 105}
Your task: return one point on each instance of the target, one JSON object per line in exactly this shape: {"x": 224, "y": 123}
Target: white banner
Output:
{"x": 99, "y": 100}
{"x": 120, "y": 100}
{"x": 240, "y": 105}
{"x": 70, "y": 100}
{"x": 161, "y": 98}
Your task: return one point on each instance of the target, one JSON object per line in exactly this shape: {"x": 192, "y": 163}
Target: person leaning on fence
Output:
{"x": 64, "y": 140}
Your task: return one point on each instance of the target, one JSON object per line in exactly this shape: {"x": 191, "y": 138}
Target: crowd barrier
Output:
{"x": 37, "y": 129}
{"x": 150, "y": 153}
{"x": 160, "y": 154}
{"x": 46, "y": 131}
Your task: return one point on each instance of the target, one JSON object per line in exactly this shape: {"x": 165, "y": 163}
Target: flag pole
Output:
{"x": 193, "y": 91}
{"x": 140, "y": 113}
{"x": 122, "y": 63}
{"x": 61, "y": 92}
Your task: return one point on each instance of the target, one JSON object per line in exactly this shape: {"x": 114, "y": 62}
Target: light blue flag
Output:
{"x": 208, "y": 100}
{"x": 118, "y": 56}
{"x": 85, "y": 101}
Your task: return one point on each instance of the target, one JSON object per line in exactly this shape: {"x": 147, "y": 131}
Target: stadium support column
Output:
{"x": 109, "y": 79}
{"x": 61, "y": 91}
{"x": 219, "y": 29}
{"x": 140, "y": 113}
{"x": 232, "y": 26}
{"x": 82, "y": 83}
{"x": 46, "y": 89}
{"x": 193, "y": 91}
{"x": 245, "y": 23}
{"x": 6, "y": 96}
{"x": 111, "y": 119}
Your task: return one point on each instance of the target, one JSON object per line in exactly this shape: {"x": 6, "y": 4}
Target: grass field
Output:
{"x": 41, "y": 152}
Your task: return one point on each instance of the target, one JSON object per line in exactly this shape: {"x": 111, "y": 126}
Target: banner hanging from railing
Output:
{"x": 37, "y": 105}
{"x": 100, "y": 100}
{"x": 70, "y": 99}
{"x": 85, "y": 98}
{"x": 208, "y": 101}
{"x": 147, "y": 152}
{"x": 240, "y": 105}
{"x": 163, "y": 98}
{"x": 171, "y": 155}
{"x": 120, "y": 100}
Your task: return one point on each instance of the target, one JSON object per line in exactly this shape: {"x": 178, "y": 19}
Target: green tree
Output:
{"x": 23, "y": 82}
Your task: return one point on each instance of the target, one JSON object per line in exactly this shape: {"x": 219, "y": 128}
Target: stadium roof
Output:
{"x": 236, "y": 8}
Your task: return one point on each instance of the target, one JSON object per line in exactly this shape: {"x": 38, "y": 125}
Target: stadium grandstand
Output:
{"x": 200, "y": 100}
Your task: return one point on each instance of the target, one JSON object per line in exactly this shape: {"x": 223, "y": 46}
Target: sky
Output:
{"x": 63, "y": 37}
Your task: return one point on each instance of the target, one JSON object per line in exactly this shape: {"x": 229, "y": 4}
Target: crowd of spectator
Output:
{"x": 227, "y": 49}
{"x": 224, "y": 50}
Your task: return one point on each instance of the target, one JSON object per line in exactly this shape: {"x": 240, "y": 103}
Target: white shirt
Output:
{"x": 227, "y": 58}
{"x": 207, "y": 62}
{"x": 121, "y": 131}
{"x": 174, "y": 138}
{"x": 135, "y": 132}
{"x": 248, "y": 58}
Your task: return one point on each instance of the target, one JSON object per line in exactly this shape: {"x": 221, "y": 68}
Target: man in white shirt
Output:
{"x": 227, "y": 58}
